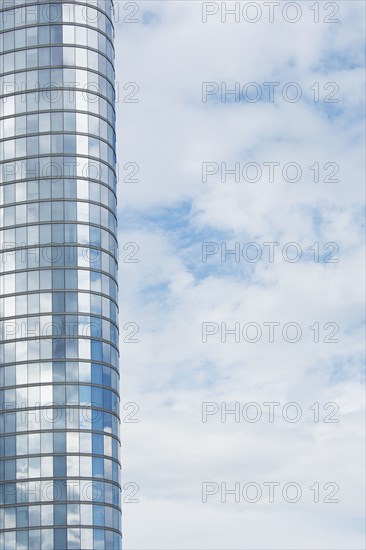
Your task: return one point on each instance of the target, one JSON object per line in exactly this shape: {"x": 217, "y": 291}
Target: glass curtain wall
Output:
{"x": 59, "y": 376}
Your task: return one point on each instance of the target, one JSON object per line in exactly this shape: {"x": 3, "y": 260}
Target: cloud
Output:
{"x": 170, "y": 292}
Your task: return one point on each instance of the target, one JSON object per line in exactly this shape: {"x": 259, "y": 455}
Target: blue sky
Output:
{"x": 169, "y": 293}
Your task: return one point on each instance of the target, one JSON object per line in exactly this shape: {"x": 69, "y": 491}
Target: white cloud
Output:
{"x": 169, "y": 292}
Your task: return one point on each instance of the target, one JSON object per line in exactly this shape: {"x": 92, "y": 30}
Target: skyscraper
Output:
{"x": 59, "y": 376}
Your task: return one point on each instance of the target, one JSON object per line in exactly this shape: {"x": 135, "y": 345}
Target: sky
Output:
{"x": 182, "y": 291}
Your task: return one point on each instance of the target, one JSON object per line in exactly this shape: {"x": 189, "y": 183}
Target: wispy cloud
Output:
{"x": 170, "y": 292}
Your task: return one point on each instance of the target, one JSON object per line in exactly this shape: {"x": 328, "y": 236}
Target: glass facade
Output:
{"x": 59, "y": 376}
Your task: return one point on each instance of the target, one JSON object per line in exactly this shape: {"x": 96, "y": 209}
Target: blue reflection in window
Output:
{"x": 98, "y": 515}
{"x": 96, "y": 350}
{"x": 98, "y": 444}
